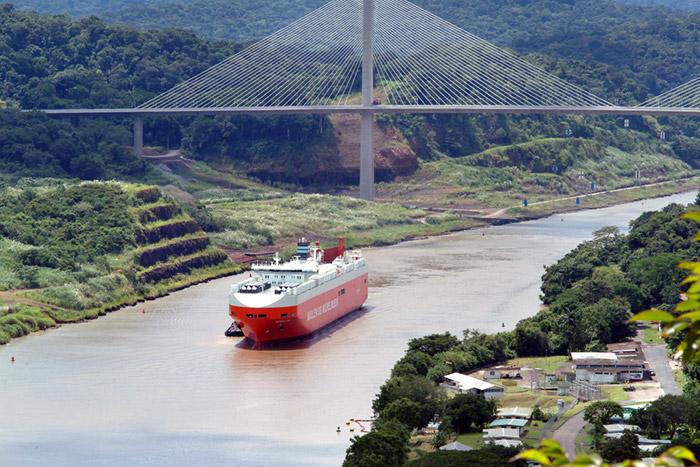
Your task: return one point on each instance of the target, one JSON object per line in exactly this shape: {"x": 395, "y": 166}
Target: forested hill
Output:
{"x": 643, "y": 42}
{"x": 287, "y": 9}
{"x": 82, "y": 8}
{"x": 56, "y": 62}
{"x": 654, "y": 46}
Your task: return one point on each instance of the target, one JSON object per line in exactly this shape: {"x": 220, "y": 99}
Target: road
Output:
{"x": 567, "y": 433}
{"x": 656, "y": 356}
{"x": 500, "y": 212}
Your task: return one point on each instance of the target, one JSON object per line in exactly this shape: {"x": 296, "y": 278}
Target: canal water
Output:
{"x": 159, "y": 384}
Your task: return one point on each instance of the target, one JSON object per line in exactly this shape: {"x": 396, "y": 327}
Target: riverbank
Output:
{"x": 434, "y": 219}
{"x": 25, "y": 312}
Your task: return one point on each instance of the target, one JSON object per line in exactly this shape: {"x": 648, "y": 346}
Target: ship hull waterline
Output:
{"x": 283, "y": 324}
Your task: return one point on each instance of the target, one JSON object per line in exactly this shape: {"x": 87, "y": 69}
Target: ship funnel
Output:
{"x": 303, "y": 248}
{"x": 341, "y": 248}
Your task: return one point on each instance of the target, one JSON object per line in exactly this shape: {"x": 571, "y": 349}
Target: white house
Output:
{"x": 501, "y": 371}
{"x": 468, "y": 384}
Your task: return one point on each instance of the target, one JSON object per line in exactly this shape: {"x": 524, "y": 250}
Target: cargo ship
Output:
{"x": 282, "y": 301}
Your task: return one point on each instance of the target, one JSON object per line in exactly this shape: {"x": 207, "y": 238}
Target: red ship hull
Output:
{"x": 270, "y": 324}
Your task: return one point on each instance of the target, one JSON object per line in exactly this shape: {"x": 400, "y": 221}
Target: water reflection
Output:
{"x": 308, "y": 341}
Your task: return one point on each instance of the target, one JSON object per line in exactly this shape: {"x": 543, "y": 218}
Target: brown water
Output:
{"x": 166, "y": 387}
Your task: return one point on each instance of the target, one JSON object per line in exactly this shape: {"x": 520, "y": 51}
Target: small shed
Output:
{"x": 455, "y": 446}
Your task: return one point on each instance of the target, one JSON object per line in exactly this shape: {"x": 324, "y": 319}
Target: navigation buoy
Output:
{"x": 143, "y": 312}
{"x": 562, "y": 219}
{"x": 12, "y": 359}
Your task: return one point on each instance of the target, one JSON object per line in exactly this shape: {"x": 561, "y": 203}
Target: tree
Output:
{"x": 403, "y": 410}
{"x": 419, "y": 389}
{"x": 491, "y": 456}
{"x": 619, "y": 449}
{"x": 418, "y": 360}
{"x": 602, "y": 411}
{"x": 440, "y": 439}
{"x": 597, "y": 433}
{"x": 376, "y": 449}
{"x": 633, "y": 294}
{"x": 666, "y": 414}
{"x": 608, "y": 320}
{"x": 657, "y": 276}
{"x": 465, "y": 411}
{"x": 433, "y": 344}
{"x": 529, "y": 340}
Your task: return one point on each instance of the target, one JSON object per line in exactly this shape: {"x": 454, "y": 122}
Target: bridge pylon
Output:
{"x": 367, "y": 116}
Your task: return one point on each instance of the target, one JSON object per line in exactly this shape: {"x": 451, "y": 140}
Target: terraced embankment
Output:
{"x": 75, "y": 252}
{"x": 171, "y": 243}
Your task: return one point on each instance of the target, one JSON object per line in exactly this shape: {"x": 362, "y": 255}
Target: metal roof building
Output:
{"x": 515, "y": 412}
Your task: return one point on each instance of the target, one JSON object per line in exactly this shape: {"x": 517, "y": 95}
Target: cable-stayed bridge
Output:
{"x": 372, "y": 56}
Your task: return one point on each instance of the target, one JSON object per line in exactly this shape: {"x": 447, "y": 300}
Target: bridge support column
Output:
{"x": 367, "y": 116}
{"x": 138, "y": 135}
{"x": 367, "y": 156}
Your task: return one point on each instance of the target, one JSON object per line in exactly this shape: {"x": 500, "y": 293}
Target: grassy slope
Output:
{"x": 256, "y": 223}
{"x": 489, "y": 180}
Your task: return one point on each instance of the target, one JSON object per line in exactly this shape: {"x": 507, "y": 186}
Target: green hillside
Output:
{"x": 71, "y": 251}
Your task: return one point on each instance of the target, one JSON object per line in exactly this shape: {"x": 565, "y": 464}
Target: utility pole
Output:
{"x": 366, "y": 114}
